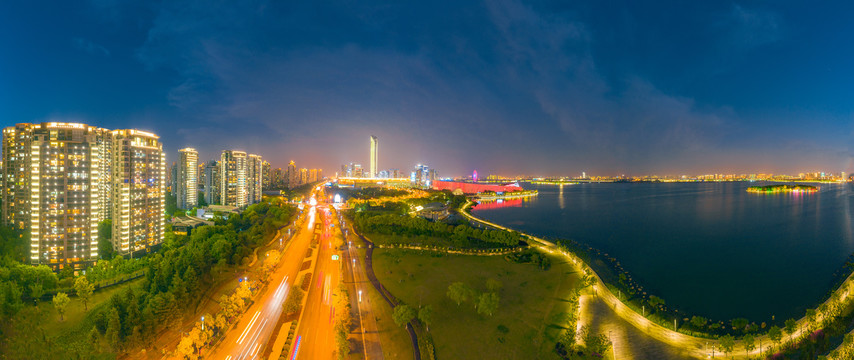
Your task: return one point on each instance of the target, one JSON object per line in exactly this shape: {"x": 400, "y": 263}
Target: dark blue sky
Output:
{"x": 506, "y": 87}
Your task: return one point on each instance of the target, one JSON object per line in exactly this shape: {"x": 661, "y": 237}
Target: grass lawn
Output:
{"x": 524, "y": 326}
{"x": 43, "y": 320}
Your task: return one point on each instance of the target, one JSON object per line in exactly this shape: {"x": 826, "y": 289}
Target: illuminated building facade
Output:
{"x": 266, "y": 176}
{"x": 188, "y": 167}
{"x": 254, "y": 179}
{"x": 138, "y": 190}
{"x": 293, "y": 176}
{"x": 17, "y": 142}
{"x": 374, "y": 145}
{"x": 61, "y": 179}
{"x": 64, "y": 168}
{"x": 233, "y": 172}
{"x": 212, "y": 182}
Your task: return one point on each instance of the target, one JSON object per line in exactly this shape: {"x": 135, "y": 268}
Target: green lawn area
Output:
{"x": 44, "y": 321}
{"x": 524, "y": 325}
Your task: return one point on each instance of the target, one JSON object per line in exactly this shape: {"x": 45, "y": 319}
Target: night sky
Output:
{"x": 539, "y": 88}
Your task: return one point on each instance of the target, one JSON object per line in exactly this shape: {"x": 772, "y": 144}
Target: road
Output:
{"x": 247, "y": 339}
{"x": 365, "y": 318}
{"x": 316, "y": 334}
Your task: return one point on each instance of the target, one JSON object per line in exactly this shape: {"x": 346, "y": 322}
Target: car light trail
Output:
{"x": 246, "y": 331}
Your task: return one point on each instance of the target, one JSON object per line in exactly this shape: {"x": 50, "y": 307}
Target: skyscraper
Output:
{"x": 233, "y": 178}
{"x": 61, "y": 174}
{"x": 139, "y": 188}
{"x": 188, "y": 160}
{"x": 212, "y": 182}
{"x": 374, "y": 145}
{"x": 293, "y": 176}
{"x": 254, "y": 179}
{"x": 266, "y": 175}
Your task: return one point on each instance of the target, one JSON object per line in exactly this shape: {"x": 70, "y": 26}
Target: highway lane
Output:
{"x": 253, "y": 330}
{"x": 316, "y": 331}
{"x": 365, "y": 317}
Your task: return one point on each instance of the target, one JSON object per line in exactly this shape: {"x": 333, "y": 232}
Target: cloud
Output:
{"x": 751, "y": 27}
{"x": 90, "y": 47}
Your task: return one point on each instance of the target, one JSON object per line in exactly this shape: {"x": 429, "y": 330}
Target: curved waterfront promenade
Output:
{"x": 695, "y": 346}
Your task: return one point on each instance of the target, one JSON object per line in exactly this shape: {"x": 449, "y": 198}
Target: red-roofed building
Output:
{"x": 475, "y": 188}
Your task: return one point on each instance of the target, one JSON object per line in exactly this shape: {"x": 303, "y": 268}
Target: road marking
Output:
{"x": 245, "y": 331}
{"x": 228, "y": 357}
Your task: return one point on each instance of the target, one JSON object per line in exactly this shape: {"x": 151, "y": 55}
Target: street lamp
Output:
{"x": 360, "y": 295}
{"x": 203, "y": 323}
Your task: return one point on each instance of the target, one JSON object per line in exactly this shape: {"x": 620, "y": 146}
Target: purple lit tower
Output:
{"x": 474, "y": 176}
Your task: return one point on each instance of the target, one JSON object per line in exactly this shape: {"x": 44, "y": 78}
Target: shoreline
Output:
{"x": 694, "y": 344}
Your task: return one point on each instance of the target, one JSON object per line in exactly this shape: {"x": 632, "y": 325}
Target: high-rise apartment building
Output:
{"x": 374, "y": 145}
{"x": 188, "y": 167}
{"x": 139, "y": 188}
{"x": 266, "y": 176}
{"x": 172, "y": 179}
{"x": 62, "y": 176}
{"x": 303, "y": 176}
{"x": 233, "y": 172}
{"x": 293, "y": 176}
{"x": 60, "y": 180}
{"x": 201, "y": 172}
{"x": 277, "y": 178}
{"x": 254, "y": 178}
{"x": 212, "y": 182}
{"x": 17, "y": 148}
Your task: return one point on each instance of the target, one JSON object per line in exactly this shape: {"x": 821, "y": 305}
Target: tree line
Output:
{"x": 460, "y": 235}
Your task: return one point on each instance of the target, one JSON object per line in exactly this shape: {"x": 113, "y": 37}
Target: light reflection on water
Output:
{"x": 709, "y": 248}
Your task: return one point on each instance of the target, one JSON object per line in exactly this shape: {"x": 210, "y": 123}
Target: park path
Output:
{"x": 691, "y": 346}
{"x": 369, "y": 267}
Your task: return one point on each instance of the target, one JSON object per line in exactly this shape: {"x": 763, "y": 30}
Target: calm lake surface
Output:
{"x": 711, "y": 249}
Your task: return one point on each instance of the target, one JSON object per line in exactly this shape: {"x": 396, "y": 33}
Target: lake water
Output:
{"x": 711, "y": 249}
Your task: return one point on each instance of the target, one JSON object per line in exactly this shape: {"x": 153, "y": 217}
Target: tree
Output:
{"x": 727, "y": 343}
{"x": 655, "y": 301}
{"x": 739, "y": 323}
{"x": 105, "y": 236}
{"x": 487, "y": 303}
{"x": 426, "y": 316}
{"x": 84, "y": 290}
{"x": 114, "y": 329}
{"x": 270, "y": 261}
{"x": 95, "y": 338}
{"x": 403, "y": 314}
{"x": 459, "y": 292}
{"x": 243, "y": 291}
{"x": 294, "y": 301}
{"x": 775, "y": 334}
{"x": 791, "y": 326}
{"x": 811, "y": 317}
{"x": 698, "y": 321}
{"x": 597, "y": 343}
{"x": 749, "y": 344}
{"x": 60, "y": 302}
{"x": 36, "y": 292}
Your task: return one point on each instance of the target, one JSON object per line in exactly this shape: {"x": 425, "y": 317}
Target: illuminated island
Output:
{"x": 773, "y": 189}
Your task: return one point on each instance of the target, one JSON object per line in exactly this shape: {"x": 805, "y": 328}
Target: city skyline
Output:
{"x": 578, "y": 86}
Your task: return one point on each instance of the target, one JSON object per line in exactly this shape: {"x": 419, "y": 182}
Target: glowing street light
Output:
{"x": 360, "y": 295}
